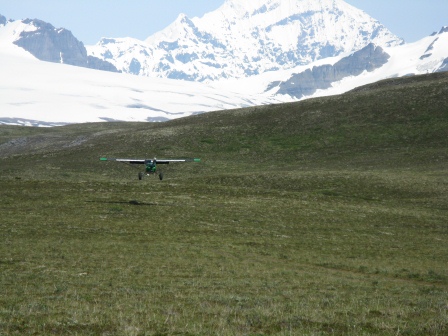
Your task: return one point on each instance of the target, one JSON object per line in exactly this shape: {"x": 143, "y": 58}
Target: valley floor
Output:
{"x": 318, "y": 252}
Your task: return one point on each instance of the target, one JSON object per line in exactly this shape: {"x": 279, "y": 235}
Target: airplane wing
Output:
{"x": 143, "y": 161}
{"x": 131, "y": 161}
{"x": 166, "y": 161}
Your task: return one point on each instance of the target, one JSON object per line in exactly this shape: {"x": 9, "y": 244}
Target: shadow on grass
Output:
{"x": 131, "y": 202}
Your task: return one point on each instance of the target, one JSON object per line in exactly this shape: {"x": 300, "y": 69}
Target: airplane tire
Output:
{"x": 161, "y": 176}
{"x": 140, "y": 176}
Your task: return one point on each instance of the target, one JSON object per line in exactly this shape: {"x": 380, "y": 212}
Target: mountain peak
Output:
{"x": 256, "y": 7}
{"x": 248, "y": 37}
{"x": 173, "y": 32}
{"x": 443, "y": 30}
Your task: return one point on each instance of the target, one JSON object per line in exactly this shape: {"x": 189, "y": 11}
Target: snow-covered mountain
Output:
{"x": 337, "y": 75}
{"x": 249, "y": 52}
{"x": 37, "y": 93}
{"x": 243, "y": 38}
{"x": 425, "y": 56}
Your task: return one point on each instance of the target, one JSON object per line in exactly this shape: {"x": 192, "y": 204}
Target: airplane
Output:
{"x": 150, "y": 164}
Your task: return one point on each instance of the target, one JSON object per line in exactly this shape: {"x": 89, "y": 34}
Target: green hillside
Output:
{"x": 323, "y": 217}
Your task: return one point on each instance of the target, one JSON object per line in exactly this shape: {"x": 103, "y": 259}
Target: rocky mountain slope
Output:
{"x": 47, "y": 43}
{"x": 340, "y": 74}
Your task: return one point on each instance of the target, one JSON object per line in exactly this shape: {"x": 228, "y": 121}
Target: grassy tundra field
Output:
{"x": 323, "y": 217}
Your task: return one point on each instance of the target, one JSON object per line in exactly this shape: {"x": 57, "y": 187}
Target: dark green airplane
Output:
{"x": 150, "y": 164}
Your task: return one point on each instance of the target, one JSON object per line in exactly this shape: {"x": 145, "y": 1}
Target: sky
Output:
{"x": 90, "y": 20}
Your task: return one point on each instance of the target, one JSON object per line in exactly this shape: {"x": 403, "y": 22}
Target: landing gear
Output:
{"x": 141, "y": 175}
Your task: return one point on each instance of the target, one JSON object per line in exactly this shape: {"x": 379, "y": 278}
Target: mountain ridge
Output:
{"x": 242, "y": 39}
{"x": 50, "y": 44}
{"x": 36, "y": 99}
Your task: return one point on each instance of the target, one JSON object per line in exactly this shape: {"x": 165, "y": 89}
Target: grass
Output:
{"x": 295, "y": 223}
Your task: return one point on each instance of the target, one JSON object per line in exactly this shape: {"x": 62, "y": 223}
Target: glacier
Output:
{"x": 37, "y": 93}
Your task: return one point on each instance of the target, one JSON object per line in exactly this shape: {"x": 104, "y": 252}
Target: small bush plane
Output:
{"x": 150, "y": 164}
